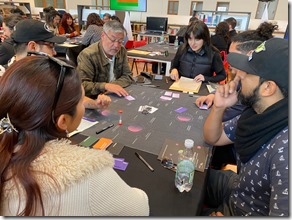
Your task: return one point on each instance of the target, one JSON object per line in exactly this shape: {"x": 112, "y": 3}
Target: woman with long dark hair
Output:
{"x": 197, "y": 58}
{"x": 67, "y": 26}
{"x": 221, "y": 38}
{"x": 94, "y": 27}
{"x": 53, "y": 19}
{"x": 41, "y": 172}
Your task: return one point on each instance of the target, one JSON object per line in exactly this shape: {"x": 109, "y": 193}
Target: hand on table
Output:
{"x": 208, "y": 100}
{"x": 199, "y": 78}
{"x": 117, "y": 89}
{"x": 103, "y": 101}
{"x": 174, "y": 75}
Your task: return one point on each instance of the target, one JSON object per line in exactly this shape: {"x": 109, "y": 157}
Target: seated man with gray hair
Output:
{"x": 103, "y": 66}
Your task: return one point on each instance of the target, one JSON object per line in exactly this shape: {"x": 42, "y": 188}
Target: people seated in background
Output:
{"x": 94, "y": 26}
{"x": 197, "y": 58}
{"x": 48, "y": 9}
{"x": 6, "y": 46}
{"x": 106, "y": 17}
{"x": 67, "y": 26}
{"x": 53, "y": 19}
{"x": 260, "y": 135}
{"x": 221, "y": 38}
{"x": 18, "y": 11}
{"x": 33, "y": 35}
{"x": 115, "y": 18}
{"x": 244, "y": 43}
{"x": 44, "y": 174}
{"x": 103, "y": 66}
{"x": 231, "y": 21}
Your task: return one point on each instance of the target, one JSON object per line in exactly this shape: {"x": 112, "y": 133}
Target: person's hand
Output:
{"x": 3, "y": 37}
{"x": 216, "y": 214}
{"x": 226, "y": 95}
{"x": 103, "y": 101}
{"x": 174, "y": 74}
{"x": 199, "y": 78}
{"x": 208, "y": 100}
{"x": 114, "y": 88}
{"x": 75, "y": 33}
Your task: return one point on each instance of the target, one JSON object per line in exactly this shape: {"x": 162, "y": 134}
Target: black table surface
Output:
{"x": 164, "y": 197}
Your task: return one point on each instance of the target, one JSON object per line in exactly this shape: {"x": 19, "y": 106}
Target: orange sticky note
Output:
{"x": 102, "y": 143}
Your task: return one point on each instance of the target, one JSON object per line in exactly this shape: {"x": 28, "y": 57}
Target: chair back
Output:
{"x": 129, "y": 44}
{"x": 139, "y": 43}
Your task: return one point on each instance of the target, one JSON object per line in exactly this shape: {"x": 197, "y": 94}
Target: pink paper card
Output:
{"x": 165, "y": 98}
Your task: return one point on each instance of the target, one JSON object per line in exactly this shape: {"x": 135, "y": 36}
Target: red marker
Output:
{"x": 120, "y": 120}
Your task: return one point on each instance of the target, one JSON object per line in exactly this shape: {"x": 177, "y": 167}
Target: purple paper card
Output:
{"x": 181, "y": 109}
{"x": 168, "y": 93}
{"x": 129, "y": 97}
{"x": 120, "y": 165}
{"x": 120, "y": 159}
{"x": 165, "y": 98}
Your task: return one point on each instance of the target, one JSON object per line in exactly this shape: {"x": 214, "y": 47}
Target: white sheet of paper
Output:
{"x": 84, "y": 124}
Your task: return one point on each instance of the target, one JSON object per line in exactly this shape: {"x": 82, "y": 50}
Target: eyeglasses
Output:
{"x": 49, "y": 44}
{"x": 113, "y": 41}
{"x": 61, "y": 78}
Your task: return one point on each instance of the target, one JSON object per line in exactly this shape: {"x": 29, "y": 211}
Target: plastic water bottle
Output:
{"x": 176, "y": 42}
{"x": 185, "y": 168}
{"x": 161, "y": 37}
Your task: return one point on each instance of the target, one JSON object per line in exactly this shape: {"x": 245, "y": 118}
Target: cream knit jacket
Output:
{"x": 88, "y": 185}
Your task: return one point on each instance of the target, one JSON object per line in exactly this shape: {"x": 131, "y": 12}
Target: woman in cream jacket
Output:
{"x": 42, "y": 172}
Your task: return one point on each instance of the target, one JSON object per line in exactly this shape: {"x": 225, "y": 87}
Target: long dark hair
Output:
{"x": 68, "y": 29}
{"x": 50, "y": 17}
{"x": 200, "y": 31}
{"x": 222, "y": 29}
{"x": 94, "y": 18}
{"x": 28, "y": 89}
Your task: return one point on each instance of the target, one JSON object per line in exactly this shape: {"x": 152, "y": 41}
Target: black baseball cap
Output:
{"x": 270, "y": 60}
{"x": 33, "y": 30}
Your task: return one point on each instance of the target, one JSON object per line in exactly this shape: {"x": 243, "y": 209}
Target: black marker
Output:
{"x": 144, "y": 161}
{"x": 105, "y": 128}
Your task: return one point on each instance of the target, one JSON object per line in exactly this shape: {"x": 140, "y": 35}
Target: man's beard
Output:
{"x": 250, "y": 100}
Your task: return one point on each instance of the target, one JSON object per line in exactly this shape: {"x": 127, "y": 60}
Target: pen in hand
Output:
{"x": 105, "y": 128}
{"x": 144, "y": 161}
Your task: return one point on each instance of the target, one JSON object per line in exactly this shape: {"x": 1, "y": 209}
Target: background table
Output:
{"x": 70, "y": 48}
{"x": 155, "y": 47}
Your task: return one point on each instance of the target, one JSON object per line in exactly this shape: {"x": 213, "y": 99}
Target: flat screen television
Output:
{"x": 156, "y": 24}
{"x": 128, "y": 5}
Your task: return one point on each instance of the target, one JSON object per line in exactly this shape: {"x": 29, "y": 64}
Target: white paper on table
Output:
{"x": 84, "y": 124}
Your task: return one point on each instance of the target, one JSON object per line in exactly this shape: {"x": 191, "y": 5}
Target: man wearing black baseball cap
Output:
{"x": 260, "y": 135}
{"x": 32, "y": 35}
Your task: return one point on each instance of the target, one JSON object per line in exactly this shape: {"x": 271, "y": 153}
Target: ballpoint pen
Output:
{"x": 144, "y": 161}
{"x": 105, "y": 128}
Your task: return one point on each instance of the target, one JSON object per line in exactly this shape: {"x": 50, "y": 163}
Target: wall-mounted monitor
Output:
{"x": 156, "y": 24}
{"x": 129, "y": 5}
{"x": 102, "y": 12}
